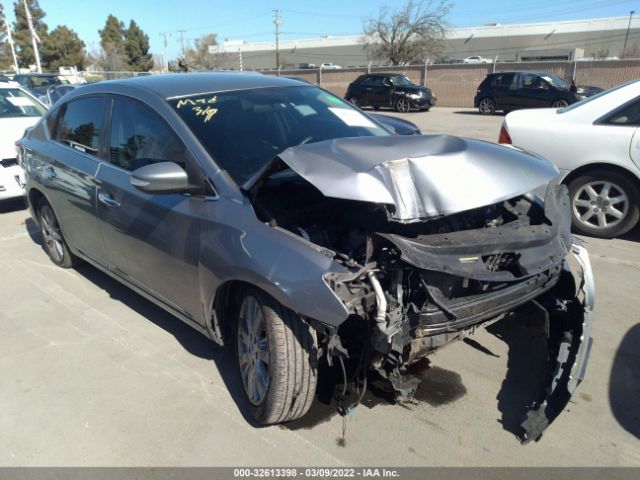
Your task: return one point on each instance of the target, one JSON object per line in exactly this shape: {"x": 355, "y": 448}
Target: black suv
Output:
{"x": 391, "y": 90}
{"x": 508, "y": 91}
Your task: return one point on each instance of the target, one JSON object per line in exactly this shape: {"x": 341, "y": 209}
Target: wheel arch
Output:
{"x": 591, "y": 167}
{"x": 34, "y": 197}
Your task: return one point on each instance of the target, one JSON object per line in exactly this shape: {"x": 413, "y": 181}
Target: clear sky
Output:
{"x": 252, "y": 20}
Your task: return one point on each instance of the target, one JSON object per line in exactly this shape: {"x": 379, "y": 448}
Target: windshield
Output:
{"x": 244, "y": 130}
{"x": 16, "y": 103}
{"x": 556, "y": 81}
{"x": 399, "y": 80}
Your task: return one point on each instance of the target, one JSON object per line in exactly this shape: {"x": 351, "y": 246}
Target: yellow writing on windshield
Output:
{"x": 192, "y": 102}
{"x": 207, "y": 113}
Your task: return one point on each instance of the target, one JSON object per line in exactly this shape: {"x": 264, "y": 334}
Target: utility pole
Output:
{"x": 182, "y": 32}
{"x": 165, "y": 60}
{"x": 626, "y": 37}
{"x": 34, "y": 37}
{"x": 277, "y": 21}
{"x": 240, "y": 58}
{"x": 13, "y": 48}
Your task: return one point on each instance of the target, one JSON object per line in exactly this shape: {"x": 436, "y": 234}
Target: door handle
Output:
{"x": 108, "y": 200}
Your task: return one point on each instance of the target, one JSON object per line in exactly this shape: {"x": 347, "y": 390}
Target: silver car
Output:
{"x": 275, "y": 217}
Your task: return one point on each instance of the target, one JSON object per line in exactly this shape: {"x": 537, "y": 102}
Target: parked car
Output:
{"x": 18, "y": 111}
{"x": 55, "y": 93}
{"x": 477, "y": 59}
{"x": 508, "y": 91}
{"x": 330, "y": 66}
{"x": 305, "y": 66}
{"x": 391, "y": 90}
{"x": 596, "y": 145}
{"x": 275, "y": 217}
{"x": 399, "y": 126}
{"x": 37, "y": 83}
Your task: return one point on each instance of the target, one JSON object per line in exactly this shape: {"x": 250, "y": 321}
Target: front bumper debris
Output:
{"x": 569, "y": 334}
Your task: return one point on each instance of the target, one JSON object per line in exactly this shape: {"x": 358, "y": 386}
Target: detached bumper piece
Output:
{"x": 569, "y": 309}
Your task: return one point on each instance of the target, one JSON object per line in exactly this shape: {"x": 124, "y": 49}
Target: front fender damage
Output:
{"x": 569, "y": 334}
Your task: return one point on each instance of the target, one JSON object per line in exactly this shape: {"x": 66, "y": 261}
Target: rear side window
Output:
{"x": 503, "y": 80}
{"x": 81, "y": 125}
{"x": 367, "y": 80}
{"x": 628, "y": 116}
{"x": 140, "y": 137}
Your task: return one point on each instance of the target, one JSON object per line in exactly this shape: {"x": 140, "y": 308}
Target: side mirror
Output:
{"x": 161, "y": 177}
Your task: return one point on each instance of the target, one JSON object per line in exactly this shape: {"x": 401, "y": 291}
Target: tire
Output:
{"x": 289, "y": 346}
{"x": 559, "y": 104}
{"x": 603, "y": 218}
{"x": 486, "y": 106}
{"x": 355, "y": 102}
{"x": 403, "y": 105}
{"x": 54, "y": 243}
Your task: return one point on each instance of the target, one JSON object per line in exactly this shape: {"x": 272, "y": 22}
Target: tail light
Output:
{"x": 504, "y": 136}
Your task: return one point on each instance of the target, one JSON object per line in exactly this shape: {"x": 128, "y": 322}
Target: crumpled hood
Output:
{"x": 421, "y": 176}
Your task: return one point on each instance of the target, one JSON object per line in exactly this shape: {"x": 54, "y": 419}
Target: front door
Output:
{"x": 152, "y": 240}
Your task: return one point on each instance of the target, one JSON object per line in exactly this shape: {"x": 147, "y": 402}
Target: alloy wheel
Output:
{"x": 403, "y": 105}
{"x": 253, "y": 350}
{"x": 486, "y": 106}
{"x": 559, "y": 104}
{"x": 51, "y": 234}
{"x": 600, "y": 204}
{"x": 354, "y": 101}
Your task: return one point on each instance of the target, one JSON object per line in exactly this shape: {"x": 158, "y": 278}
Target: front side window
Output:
{"x": 81, "y": 124}
{"x": 400, "y": 80}
{"x": 140, "y": 137}
{"x": 16, "y": 103}
{"x": 244, "y": 130}
{"x": 556, "y": 82}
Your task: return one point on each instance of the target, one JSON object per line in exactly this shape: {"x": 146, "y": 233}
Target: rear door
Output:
{"x": 501, "y": 86}
{"x": 152, "y": 241}
{"x": 380, "y": 93}
{"x": 69, "y": 169}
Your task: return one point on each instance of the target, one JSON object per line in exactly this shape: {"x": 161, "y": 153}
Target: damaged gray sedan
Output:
{"x": 280, "y": 220}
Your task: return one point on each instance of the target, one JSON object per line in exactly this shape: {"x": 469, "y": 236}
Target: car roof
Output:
{"x": 37, "y": 75}
{"x": 535, "y": 72}
{"x": 173, "y": 85}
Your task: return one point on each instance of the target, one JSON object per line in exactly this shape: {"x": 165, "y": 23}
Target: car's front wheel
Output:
{"x": 487, "y": 106}
{"x": 54, "y": 242}
{"x": 403, "y": 105}
{"x": 354, "y": 101}
{"x": 559, "y": 104}
{"x": 277, "y": 358}
{"x": 604, "y": 204}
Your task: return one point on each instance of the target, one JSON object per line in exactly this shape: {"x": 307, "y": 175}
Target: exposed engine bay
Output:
{"x": 413, "y": 285}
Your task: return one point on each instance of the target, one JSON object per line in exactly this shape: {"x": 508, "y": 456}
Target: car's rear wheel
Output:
{"x": 403, "y": 105}
{"x": 54, "y": 242}
{"x": 354, "y": 101}
{"x": 487, "y": 106}
{"x": 603, "y": 204}
{"x": 277, "y": 358}
{"x": 559, "y": 104}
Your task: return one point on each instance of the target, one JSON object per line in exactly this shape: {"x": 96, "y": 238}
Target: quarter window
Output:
{"x": 81, "y": 125}
{"x": 629, "y": 116}
{"x": 503, "y": 80}
{"x": 140, "y": 137}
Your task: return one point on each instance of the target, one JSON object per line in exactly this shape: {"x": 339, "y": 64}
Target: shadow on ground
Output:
{"x": 624, "y": 383}
{"x": 12, "y": 205}
{"x": 527, "y": 367}
{"x": 477, "y": 113}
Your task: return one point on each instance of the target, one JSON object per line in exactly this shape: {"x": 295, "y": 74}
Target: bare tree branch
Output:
{"x": 413, "y": 32}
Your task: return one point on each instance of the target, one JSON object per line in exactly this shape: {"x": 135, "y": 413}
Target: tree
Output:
{"x": 199, "y": 58}
{"x": 6, "y": 62}
{"x": 136, "y": 47}
{"x": 63, "y": 47}
{"x": 22, "y": 34}
{"x": 413, "y": 32}
{"x": 112, "y": 57}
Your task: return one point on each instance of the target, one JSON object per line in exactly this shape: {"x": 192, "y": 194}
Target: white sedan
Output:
{"x": 18, "y": 111}
{"x": 595, "y": 144}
